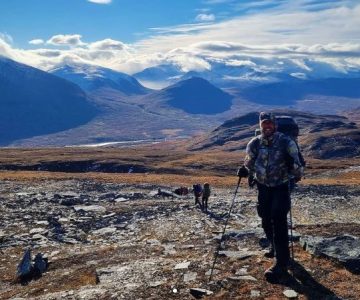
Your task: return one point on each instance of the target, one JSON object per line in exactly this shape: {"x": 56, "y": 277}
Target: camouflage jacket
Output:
{"x": 268, "y": 160}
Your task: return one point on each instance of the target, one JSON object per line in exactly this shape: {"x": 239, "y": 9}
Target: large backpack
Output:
{"x": 197, "y": 190}
{"x": 288, "y": 126}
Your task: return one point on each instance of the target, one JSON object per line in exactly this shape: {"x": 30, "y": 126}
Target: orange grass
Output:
{"x": 162, "y": 179}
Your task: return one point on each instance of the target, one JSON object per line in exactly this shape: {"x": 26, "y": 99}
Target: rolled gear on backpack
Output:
{"x": 288, "y": 126}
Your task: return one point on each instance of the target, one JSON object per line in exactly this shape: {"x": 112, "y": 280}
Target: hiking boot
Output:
{"x": 276, "y": 273}
{"x": 270, "y": 253}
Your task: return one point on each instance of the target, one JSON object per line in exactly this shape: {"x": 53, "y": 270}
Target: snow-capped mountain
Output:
{"x": 242, "y": 74}
{"x": 91, "y": 78}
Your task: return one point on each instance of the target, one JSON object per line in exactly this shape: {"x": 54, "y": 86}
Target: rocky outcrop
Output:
{"x": 344, "y": 249}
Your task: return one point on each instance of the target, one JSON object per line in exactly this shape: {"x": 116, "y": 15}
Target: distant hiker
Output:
{"x": 272, "y": 158}
{"x": 197, "y": 193}
{"x": 205, "y": 196}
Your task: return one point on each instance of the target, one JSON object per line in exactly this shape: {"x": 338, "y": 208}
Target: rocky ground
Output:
{"x": 121, "y": 241}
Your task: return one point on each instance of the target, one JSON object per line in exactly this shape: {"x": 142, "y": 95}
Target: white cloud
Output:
{"x": 47, "y": 52}
{"x": 239, "y": 63}
{"x": 6, "y": 37}
{"x": 291, "y": 37}
{"x": 205, "y": 17}
{"x": 281, "y": 25}
{"x": 101, "y": 1}
{"x": 5, "y": 48}
{"x": 108, "y": 44}
{"x": 66, "y": 40}
{"x": 36, "y": 42}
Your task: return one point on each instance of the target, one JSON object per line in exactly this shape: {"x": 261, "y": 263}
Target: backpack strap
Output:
{"x": 257, "y": 147}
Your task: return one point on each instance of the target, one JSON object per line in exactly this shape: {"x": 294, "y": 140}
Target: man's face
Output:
{"x": 267, "y": 128}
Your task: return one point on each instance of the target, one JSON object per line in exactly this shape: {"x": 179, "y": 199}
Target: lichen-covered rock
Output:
{"x": 345, "y": 249}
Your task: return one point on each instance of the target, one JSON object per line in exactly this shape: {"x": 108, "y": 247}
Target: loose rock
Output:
{"x": 291, "y": 294}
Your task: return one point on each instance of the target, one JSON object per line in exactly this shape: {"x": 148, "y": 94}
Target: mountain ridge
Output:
{"x": 92, "y": 78}
{"x": 195, "y": 96}
{"x": 34, "y": 102}
{"x": 321, "y": 136}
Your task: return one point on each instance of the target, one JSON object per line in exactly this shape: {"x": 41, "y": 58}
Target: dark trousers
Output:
{"x": 273, "y": 207}
{"x": 197, "y": 200}
{"x": 205, "y": 203}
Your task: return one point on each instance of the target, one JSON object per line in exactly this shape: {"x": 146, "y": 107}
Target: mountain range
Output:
{"x": 83, "y": 104}
{"x": 245, "y": 73}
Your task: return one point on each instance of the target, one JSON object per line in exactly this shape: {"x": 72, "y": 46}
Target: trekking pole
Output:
{"x": 223, "y": 232}
{"x": 291, "y": 235}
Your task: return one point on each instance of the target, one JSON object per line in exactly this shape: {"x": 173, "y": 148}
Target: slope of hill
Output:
{"x": 34, "y": 102}
{"x": 321, "y": 136}
{"x": 92, "y": 78}
{"x": 353, "y": 115}
{"x": 195, "y": 96}
{"x": 288, "y": 91}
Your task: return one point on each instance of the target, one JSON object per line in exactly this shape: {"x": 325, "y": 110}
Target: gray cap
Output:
{"x": 266, "y": 116}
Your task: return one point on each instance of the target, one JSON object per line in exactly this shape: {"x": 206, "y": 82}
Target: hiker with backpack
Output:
{"x": 197, "y": 193}
{"x": 205, "y": 196}
{"x": 272, "y": 160}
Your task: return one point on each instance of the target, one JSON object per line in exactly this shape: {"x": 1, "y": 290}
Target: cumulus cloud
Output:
{"x": 108, "y": 44}
{"x": 47, "y": 52}
{"x": 66, "y": 40}
{"x": 101, "y": 1}
{"x": 36, "y": 42}
{"x": 188, "y": 63}
{"x": 316, "y": 59}
{"x": 205, "y": 17}
{"x": 290, "y": 38}
{"x": 5, "y": 48}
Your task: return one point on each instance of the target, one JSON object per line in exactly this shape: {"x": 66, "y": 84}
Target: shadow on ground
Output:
{"x": 303, "y": 283}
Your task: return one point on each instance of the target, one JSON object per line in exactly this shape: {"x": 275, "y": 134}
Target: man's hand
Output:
{"x": 243, "y": 172}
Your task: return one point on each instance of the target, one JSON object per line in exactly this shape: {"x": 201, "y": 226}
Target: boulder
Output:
{"x": 236, "y": 254}
{"x": 291, "y": 294}
{"x": 199, "y": 293}
{"x": 345, "y": 249}
{"x": 90, "y": 208}
{"x": 183, "y": 265}
{"x": 25, "y": 267}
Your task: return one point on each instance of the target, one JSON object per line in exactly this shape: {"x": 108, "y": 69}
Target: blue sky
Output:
{"x": 130, "y": 35}
{"x": 125, "y": 20}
